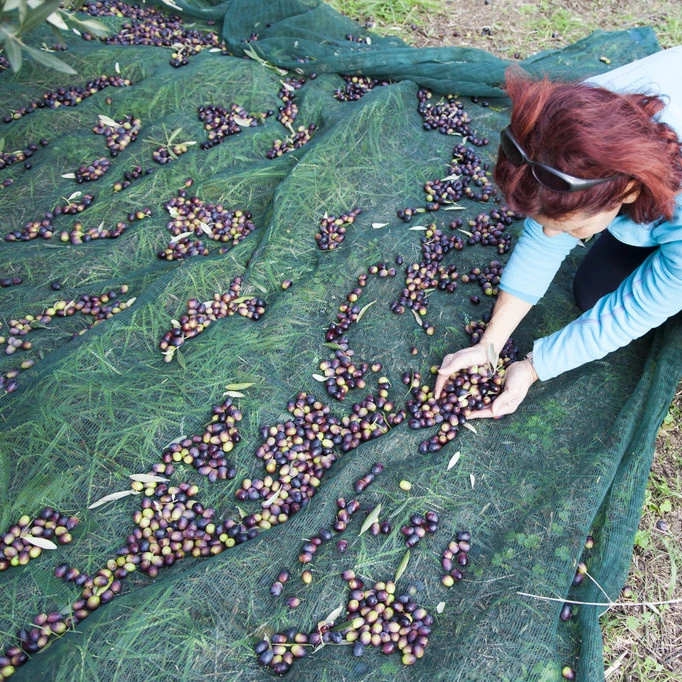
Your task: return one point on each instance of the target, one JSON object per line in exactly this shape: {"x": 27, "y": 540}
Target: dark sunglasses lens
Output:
{"x": 511, "y": 151}
{"x": 548, "y": 179}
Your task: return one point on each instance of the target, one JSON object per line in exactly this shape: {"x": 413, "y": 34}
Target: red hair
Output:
{"x": 589, "y": 132}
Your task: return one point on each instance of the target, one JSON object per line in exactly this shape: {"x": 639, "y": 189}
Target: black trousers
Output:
{"x": 605, "y": 266}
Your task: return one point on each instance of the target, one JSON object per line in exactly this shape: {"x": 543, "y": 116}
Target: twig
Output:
{"x": 610, "y": 604}
{"x": 614, "y": 666}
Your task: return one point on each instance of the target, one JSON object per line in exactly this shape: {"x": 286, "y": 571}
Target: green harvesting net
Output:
{"x": 230, "y": 262}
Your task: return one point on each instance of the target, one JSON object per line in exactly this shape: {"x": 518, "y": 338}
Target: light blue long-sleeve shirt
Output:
{"x": 652, "y": 293}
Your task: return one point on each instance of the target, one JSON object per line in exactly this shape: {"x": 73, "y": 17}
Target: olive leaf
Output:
{"x": 206, "y": 228}
{"x": 112, "y": 497}
{"x": 234, "y": 394}
{"x": 319, "y": 377}
{"x": 43, "y": 543}
{"x": 243, "y": 122}
{"x": 108, "y": 121}
{"x": 331, "y": 618}
{"x": 417, "y": 227}
{"x": 417, "y": 317}
{"x": 453, "y": 460}
{"x": 377, "y": 226}
{"x": 454, "y": 207}
{"x": 56, "y": 20}
{"x": 147, "y": 478}
{"x": 371, "y": 518}
{"x": 466, "y": 232}
{"x": 333, "y": 346}
{"x": 69, "y": 176}
{"x": 238, "y": 387}
{"x": 272, "y": 499}
{"x": 173, "y": 212}
{"x": 441, "y": 607}
{"x": 242, "y": 513}
{"x": 466, "y": 425}
{"x": 472, "y": 478}
{"x": 130, "y": 301}
{"x": 178, "y": 237}
{"x": 492, "y": 358}
{"x": 402, "y": 566}
{"x": 362, "y": 312}
{"x": 2, "y": 143}
{"x": 172, "y": 4}
{"x": 181, "y": 359}
{"x": 451, "y": 177}
{"x": 75, "y": 195}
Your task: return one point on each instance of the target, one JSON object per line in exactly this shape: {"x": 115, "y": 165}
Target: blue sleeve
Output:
{"x": 648, "y": 297}
{"x": 534, "y": 262}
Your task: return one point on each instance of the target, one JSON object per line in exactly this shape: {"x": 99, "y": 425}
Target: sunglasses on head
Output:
{"x": 548, "y": 177}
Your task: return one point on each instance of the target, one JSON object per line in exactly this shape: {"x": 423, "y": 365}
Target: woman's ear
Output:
{"x": 632, "y": 192}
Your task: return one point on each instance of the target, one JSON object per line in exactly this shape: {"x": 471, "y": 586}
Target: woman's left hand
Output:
{"x": 519, "y": 377}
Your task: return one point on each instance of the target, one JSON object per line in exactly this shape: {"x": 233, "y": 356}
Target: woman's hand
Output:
{"x": 455, "y": 362}
{"x": 520, "y": 376}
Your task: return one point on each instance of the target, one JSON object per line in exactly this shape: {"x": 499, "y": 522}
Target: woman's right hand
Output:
{"x": 455, "y": 362}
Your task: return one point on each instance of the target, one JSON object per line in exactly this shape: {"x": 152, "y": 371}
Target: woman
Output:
{"x": 581, "y": 159}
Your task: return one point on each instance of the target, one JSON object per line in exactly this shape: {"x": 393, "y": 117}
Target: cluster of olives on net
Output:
{"x": 367, "y": 479}
{"x": 419, "y": 526}
{"x": 455, "y": 557}
{"x": 342, "y": 374}
{"x": 356, "y": 87}
{"x": 207, "y": 452}
{"x": 80, "y": 235}
{"x": 333, "y": 229}
{"x": 200, "y": 315}
{"x": 374, "y": 616}
{"x": 10, "y": 158}
{"x": 300, "y": 137}
{"x": 68, "y": 97}
{"x": 130, "y": 176}
{"x": 466, "y": 170}
{"x": 120, "y": 136}
{"x": 93, "y": 171}
{"x": 488, "y": 229}
{"x": 192, "y": 218}
{"x": 488, "y": 277}
{"x": 429, "y": 274}
{"x": 221, "y": 122}
{"x": 447, "y": 117}
{"x": 471, "y": 389}
{"x": 349, "y": 312}
{"x": 366, "y": 40}
{"x": 165, "y": 154}
{"x": 101, "y": 307}
{"x": 44, "y": 228}
{"x": 18, "y": 544}
{"x": 149, "y": 26}
{"x": 10, "y": 282}
{"x": 288, "y": 111}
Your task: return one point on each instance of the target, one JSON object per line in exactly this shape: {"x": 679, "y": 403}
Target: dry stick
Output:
{"x": 614, "y": 666}
{"x": 599, "y": 603}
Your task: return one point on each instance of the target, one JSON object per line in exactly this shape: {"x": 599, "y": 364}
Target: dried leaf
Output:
{"x": 234, "y": 394}
{"x": 319, "y": 377}
{"x": 453, "y": 460}
{"x": 377, "y": 226}
{"x": 362, "y": 312}
{"x": 238, "y": 387}
{"x": 69, "y": 176}
{"x": 417, "y": 317}
{"x": 492, "y": 358}
{"x": 470, "y": 427}
{"x": 43, "y": 543}
{"x": 272, "y": 499}
{"x": 402, "y": 567}
{"x": 243, "y": 122}
{"x": 147, "y": 478}
{"x": 112, "y": 497}
{"x": 371, "y": 518}
{"x": 417, "y": 227}
{"x": 331, "y": 618}
{"x": 472, "y": 478}
{"x": 441, "y": 607}
{"x": 181, "y": 359}
{"x": 108, "y": 121}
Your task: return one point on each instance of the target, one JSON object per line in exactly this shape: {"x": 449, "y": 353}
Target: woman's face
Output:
{"x": 580, "y": 225}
